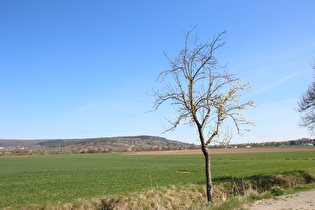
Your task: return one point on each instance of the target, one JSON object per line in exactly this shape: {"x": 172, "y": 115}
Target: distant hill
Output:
{"x": 16, "y": 143}
{"x": 126, "y": 143}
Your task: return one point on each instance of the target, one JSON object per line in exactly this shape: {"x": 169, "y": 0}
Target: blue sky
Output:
{"x": 79, "y": 69}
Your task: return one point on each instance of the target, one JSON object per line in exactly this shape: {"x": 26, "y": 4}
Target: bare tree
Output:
{"x": 203, "y": 94}
{"x": 306, "y": 106}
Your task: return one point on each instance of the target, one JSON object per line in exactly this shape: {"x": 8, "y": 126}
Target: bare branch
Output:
{"x": 306, "y": 106}
{"x": 199, "y": 91}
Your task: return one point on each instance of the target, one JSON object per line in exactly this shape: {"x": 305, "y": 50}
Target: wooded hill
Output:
{"x": 127, "y": 143}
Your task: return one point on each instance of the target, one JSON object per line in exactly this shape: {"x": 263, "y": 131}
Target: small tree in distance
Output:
{"x": 203, "y": 94}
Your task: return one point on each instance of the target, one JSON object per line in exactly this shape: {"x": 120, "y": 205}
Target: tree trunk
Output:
{"x": 208, "y": 173}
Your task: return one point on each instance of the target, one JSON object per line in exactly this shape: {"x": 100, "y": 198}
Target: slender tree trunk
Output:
{"x": 207, "y": 162}
{"x": 208, "y": 173}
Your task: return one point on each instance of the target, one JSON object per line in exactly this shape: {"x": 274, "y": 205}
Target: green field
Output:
{"x": 65, "y": 178}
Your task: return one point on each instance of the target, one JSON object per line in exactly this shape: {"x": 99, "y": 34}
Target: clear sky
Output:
{"x": 79, "y": 69}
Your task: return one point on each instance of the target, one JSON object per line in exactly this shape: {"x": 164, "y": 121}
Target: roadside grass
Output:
{"x": 82, "y": 179}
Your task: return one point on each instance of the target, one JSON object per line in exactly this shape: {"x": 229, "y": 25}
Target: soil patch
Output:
{"x": 222, "y": 151}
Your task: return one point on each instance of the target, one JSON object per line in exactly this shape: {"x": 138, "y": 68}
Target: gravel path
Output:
{"x": 301, "y": 200}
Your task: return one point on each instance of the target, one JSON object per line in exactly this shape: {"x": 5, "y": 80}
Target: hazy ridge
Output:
{"x": 112, "y": 143}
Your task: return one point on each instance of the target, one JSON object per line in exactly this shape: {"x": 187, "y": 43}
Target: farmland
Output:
{"x": 44, "y": 180}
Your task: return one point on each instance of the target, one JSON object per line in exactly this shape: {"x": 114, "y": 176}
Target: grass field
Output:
{"x": 65, "y": 178}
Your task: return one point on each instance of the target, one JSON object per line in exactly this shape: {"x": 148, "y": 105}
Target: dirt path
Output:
{"x": 220, "y": 151}
{"x": 301, "y": 200}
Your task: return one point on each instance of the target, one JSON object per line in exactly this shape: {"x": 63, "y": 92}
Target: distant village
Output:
{"x": 299, "y": 142}
{"x": 41, "y": 150}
